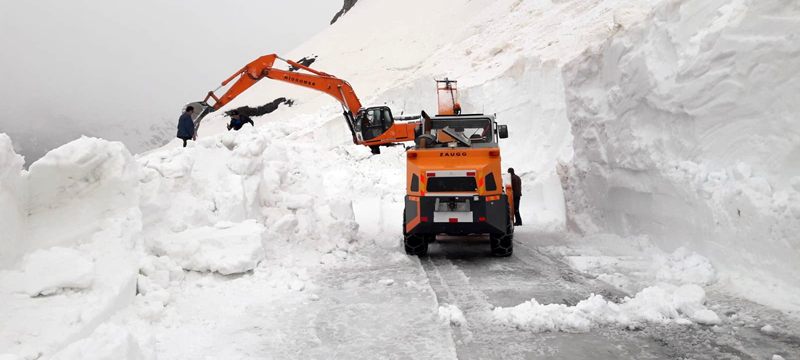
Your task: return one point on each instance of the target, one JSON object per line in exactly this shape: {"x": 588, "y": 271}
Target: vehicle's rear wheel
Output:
{"x": 376, "y": 150}
{"x": 503, "y": 244}
{"x": 415, "y": 245}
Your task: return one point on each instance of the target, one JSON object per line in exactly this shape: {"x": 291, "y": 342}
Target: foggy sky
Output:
{"x": 108, "y": 67}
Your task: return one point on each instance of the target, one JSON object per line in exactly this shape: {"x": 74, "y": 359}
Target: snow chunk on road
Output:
{"x": 685, "y": 267}
{"x": 452, "y": 315}
{"x": 227, "y": 248}
{"x": 657, "y": 304}
{"x": 46, "y": 272}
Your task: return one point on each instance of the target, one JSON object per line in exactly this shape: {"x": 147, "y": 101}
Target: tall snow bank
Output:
{"x": 77, "y": 189}
{"x": 81, "y": 234}
{"x": 12, "y": 200}
{"x": 686, "y": 130}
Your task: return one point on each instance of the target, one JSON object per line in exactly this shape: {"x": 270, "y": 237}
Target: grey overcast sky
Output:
{"x": 104, "y": 67}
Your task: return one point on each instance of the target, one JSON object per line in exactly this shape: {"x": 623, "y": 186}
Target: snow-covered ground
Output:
{"x": 660, "y": 133}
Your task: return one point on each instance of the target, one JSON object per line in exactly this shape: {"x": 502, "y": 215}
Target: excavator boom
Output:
{"x": 263, "y": 67}
{"x": 372, "y": 127}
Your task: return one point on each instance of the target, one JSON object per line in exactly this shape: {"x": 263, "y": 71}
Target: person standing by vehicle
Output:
{"x": 186, "y": 125}
{"x": 516, "y": 187}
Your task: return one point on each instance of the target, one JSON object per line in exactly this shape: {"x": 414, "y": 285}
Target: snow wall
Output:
{"x": 686, "y": 129}
{"x": 12, "y": 194}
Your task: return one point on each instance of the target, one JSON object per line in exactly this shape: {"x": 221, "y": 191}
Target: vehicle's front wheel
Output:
{"x": 415, "y": 245}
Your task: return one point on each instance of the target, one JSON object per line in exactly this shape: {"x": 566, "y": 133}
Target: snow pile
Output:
{"x": 77, "y": 189}
{"x": 686, "y": 130}
{"x": 107, "y": 342}
{"x": 12, "y": 203}
{"x": 451, "y": 314}
{"x": 80, "y": 235}
{"x": 270, "y": 188}
{"x": 226, "y": 248}
{"x": 685, "y": 267}
{"x": 657, "y": 304}
{"x": 46, "y": 272}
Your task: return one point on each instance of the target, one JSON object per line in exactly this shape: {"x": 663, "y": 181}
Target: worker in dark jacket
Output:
{"x": 186, "y": 125}
{"x": 516, "y": 187}
{"x": 241, "y": 115}
{"x": 238, "y": 120}
{"x": 305, "y": 61}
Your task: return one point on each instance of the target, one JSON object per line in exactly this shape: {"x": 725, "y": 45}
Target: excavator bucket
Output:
{"x": 201, "y": 109}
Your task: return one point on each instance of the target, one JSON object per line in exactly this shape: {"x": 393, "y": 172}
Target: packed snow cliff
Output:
{"x": 686, "y": 130}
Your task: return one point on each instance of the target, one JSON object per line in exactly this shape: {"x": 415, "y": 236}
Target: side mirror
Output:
{"x": 502, "y": 131}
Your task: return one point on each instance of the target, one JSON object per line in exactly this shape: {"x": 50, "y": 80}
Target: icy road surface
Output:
{"x": 461, "y": 273}
{"x": 381, "y": 304}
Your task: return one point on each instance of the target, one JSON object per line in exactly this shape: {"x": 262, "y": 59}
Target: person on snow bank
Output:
{"x": 516, "y": 188}
{"x": 238, "y": 120}
{"x": 305, "y": 61}
{"x": 241, "y": 115}
{"x": 186, "y": 125}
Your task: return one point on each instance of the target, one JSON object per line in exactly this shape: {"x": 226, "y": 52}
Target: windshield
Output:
{"x": 476, "y": 130}
{"x": 372, "y": 122}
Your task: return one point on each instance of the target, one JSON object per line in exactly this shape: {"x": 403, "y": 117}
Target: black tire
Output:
{"x": 376, "y": 150}
{"x": 503, "y": 244}
{"x": 415, "y": 245}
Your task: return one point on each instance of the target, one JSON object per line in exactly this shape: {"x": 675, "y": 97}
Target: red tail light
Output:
{"x": 494, "y": 153}
{"x": 482, "y": 219}
{"x": 453, "y": 220}
{"x": 470, "y": 173}
{"x": 423, "y": 219}
{"x": 431, "y": 174}
{"x": 411, "y": 155}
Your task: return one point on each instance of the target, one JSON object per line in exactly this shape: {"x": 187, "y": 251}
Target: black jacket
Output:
{"x": 516, "y": 185}
{"x": 185, "y": 126}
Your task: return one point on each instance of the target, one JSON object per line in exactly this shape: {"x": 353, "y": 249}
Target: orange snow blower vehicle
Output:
{"x": 372, "y": 126}
{"x": 454, "y": 180}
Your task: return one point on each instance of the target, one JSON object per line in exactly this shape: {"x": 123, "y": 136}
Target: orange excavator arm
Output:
{"x": 373, "y": 127}
{"x": 263, "y": 67}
